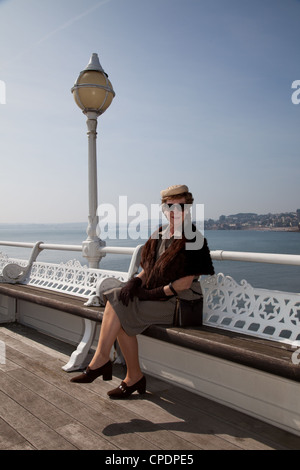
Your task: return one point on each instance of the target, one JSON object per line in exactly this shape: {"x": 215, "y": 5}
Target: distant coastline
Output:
{"x": 255, "y": 228}
{"x": 283, "y": 222}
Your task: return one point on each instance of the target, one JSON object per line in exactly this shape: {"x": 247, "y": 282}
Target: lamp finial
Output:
{"x": 94, "y": 63}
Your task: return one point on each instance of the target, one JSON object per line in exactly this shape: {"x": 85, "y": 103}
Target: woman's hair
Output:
{"x": 188, "y": 198}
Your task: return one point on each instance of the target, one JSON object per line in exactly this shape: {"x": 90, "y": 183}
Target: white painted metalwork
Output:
{"x": 14, "y": 273}
{"x": 79, "y": 355}
{"x": 217, "y": 255}
{"x": 123, "y": 250}
{"x": 274, "y": 258}
{"x": 268, "y": 314}
{"x": 71, "y": 277}
{"x": 93, "y": 93}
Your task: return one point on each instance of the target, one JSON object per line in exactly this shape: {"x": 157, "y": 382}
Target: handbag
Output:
{"x": 188, "y": 312}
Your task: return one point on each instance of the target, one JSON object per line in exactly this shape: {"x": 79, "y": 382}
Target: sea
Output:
{"x": 267, "y": 276}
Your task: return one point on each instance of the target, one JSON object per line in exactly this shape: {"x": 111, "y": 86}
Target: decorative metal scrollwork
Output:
{"x": 13, "y": 273}
{"x": 242, "y": 308}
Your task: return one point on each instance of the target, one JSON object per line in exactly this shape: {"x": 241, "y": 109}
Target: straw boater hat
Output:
{"x": 174, "y": 190}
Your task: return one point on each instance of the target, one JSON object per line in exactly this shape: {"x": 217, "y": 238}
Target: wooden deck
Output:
{"x": 41, "y": 409}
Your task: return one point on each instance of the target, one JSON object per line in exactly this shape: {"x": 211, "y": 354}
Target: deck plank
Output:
{"x": 41, "y": 409}
{"x": 10, "y": 438}
{"x": 34, "y": 431}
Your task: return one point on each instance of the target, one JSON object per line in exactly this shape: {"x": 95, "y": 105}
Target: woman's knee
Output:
{"x": 110, "y": 313}
{"x": 108, "y": 308}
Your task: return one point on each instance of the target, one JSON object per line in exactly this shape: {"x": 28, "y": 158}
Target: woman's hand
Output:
{"x": 130, "y": 290}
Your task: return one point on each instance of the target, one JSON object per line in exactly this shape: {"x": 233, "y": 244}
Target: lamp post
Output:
{"x": 93, "y": 93}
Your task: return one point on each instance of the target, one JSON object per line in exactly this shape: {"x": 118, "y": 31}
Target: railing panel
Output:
{"x": 263, "y": 313}
{"x": 71, "y": 277}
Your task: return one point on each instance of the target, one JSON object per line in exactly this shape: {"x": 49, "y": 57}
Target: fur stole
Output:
{"x": 175, "y": 262}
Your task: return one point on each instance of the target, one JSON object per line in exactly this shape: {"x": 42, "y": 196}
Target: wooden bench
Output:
{"x": 269, "y": 356}
{"x": 254, "y": 327}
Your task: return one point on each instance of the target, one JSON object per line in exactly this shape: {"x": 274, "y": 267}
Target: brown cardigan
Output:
{"x": 175, "y": 262}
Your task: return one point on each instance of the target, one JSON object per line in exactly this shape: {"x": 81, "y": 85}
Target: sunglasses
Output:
{"x": 172, "y": 207}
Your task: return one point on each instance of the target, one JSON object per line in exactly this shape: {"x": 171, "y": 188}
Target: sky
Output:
{"x": 203, "y": 98}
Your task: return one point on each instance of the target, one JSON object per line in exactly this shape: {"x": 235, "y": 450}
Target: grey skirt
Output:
{"x": 140, "y": 314}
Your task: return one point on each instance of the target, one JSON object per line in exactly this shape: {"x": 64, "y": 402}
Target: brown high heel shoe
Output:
{"x": 124, "y": 391}
{"x": 89, "y": 375}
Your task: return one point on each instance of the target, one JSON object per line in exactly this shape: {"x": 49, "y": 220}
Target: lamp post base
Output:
{"x": 91, "y": 250}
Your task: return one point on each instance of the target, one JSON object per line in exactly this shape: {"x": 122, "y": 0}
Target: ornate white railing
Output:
{"x": 217, "y": 255}
{"x": 237, "y": 307}
{"x": 70, "y": 277}
{"x": 268, "y": 314}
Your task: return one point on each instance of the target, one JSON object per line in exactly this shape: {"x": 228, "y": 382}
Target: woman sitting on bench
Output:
{"x": 172, "y": 259}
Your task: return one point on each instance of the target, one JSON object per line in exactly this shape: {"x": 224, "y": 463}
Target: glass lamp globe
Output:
{"x": 93, "y": 91}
